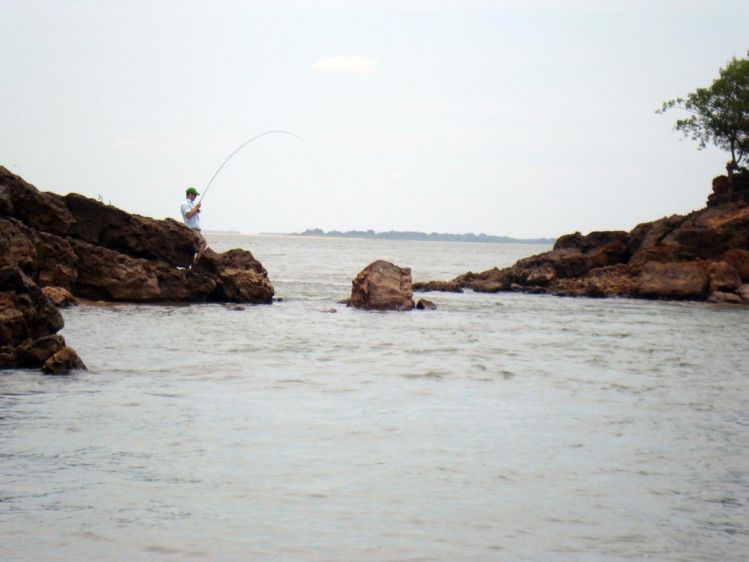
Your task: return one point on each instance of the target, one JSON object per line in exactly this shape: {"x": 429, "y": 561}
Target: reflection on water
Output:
{"x": 498, "y": 427}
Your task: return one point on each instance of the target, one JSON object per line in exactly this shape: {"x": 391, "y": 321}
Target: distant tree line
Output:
{"x": 433, "y": 236}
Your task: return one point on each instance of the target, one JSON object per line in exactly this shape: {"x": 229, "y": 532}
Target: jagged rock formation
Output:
{"x": 98, "y": 251}
{"x": 73, "y": 246}
{"x": 29, "y": 323}
{"x": 382, "y": 286}
{"x": 700, "y": 256}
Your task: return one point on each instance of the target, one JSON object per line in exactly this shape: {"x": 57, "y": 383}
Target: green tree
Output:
{"x": 719, "y": 114}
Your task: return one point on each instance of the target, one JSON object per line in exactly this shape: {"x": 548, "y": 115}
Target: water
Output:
{"x": 498, "y": 427}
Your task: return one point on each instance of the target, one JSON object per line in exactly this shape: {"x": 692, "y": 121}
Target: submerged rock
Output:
{"x": 424, "y": 304}
{"x": 382, "y": 286}
{"x": 62, "y": 362}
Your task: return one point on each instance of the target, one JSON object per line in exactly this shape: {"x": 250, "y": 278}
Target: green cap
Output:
{"x": 191, "y": 191}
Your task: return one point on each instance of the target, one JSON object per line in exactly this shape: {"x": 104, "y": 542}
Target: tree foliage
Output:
{"x": 719, "y": 114}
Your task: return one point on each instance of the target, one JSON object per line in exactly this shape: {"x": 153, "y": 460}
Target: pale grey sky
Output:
{"x": 520, "y": 118}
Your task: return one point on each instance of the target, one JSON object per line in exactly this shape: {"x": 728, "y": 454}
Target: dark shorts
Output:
{"x": 199, "y": 234}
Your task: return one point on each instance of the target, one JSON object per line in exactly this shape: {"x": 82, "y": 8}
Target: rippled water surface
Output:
{"x": 498, "y": 427}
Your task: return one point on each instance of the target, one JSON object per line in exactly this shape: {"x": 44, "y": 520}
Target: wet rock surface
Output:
{"x": 700, "y": 256}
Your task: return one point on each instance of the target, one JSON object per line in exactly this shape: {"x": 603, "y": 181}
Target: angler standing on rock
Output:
{"x": 191, "y": 217}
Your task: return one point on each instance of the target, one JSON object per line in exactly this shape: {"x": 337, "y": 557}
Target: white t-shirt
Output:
{"x": 194, "y": 222}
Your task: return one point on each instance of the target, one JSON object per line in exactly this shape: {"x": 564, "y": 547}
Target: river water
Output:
{"x": 498, "y": 427}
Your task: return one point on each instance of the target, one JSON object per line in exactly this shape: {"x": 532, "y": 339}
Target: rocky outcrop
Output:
{"x": 382, "y": 286}
{"x": 445, "y": 286}
{"x": 97, "y": 251}
{"x": 72, "y": 246}
{"x": 29, "y": 323}
{"x": 61, "y": 298}
{"x": 700, "y": 256}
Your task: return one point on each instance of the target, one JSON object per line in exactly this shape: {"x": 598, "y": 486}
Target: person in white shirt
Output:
{"x": 191, "y": 217}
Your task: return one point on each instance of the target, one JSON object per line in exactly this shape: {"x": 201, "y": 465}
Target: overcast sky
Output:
{"x": 515, "y": 117}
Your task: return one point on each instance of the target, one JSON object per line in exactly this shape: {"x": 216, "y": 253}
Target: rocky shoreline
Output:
{"x": 77, "y": 246}
{"x": 700, "y": 256}
{"x": 55, "y": 249}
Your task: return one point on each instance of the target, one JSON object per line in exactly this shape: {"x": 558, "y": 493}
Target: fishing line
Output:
{"x": 309, "y": 153}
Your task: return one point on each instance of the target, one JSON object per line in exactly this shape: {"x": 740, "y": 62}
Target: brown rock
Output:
{"x": 541, "y": 275}
{"x": 707, "y": 234}
{"x": 17, "y": 246}
{"x": 616, "y": 280}
{"x": 743, "y": 292}
{"x": 673, "y": 281}
{"x": 424, "y": 304}
{"x": 723, "y": 277}
{"x": 109, "y": 275}
{"x": 34, "y": 353}
{"x": 591, "y": 242}
{"x": 489, "y": 281}
{"x": 182, "y": 285}
{"x": 565, "y": 262}
{"x": 739, "y": 259}
{"x": 28, "y": 322}
{"x": 720, "y": 297}
{"x": 42, "y": 211}
{"x": 443, "y": 286}
{"x": 239, "y": 277}
{"x": 489, "y": 286}
{"x": 645, "y": 242}
{"x": 667, "y": 258}
{"x": 134, "y": 235}
{"x": 56, "y": 263}
{"x": 99, "y": 252}
{"x": 239, "y": 285}
{"x": 62, "y": 362}
{"x": 382, "y": 286}
{"x": 721, "y": 184}
{"x": 60, "y": 297}
{"x": 611, "y": 253}
{"x": 25, "y": 313}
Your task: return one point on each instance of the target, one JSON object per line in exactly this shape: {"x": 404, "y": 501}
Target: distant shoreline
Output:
{"x": 433, "y": 236}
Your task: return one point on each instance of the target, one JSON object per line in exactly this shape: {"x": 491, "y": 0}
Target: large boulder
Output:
{"x": 240, "y": 277}
{"x": 104, "y": 274}
{"x": 382, "y": 286}
{"x": 723, "y": 277}
{"x": 62, "y": 362}
{"x": 686, "y": 280}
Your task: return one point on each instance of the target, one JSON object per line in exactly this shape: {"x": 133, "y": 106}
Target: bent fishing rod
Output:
{"x": 240, "y": 147}
{"x": 281, "y": 132}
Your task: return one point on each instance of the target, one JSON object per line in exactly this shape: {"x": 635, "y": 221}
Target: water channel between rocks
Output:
{"x": 498, "y": 427}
